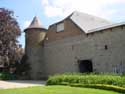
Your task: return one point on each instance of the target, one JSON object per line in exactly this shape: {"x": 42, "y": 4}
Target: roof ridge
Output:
{"x": 92, "y": 15}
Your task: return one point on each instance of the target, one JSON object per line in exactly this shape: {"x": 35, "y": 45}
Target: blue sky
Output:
{"x": 50, "y": 11}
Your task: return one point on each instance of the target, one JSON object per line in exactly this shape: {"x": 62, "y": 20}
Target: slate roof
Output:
{"x": 35, "y": 23}
{"x": 88, "y": 22}
{"x": 107, "y": 27}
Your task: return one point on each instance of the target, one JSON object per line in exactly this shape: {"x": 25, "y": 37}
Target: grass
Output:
{"x": 55, "y": 90}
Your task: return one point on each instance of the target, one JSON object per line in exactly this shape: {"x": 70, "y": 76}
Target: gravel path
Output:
{"x": 20, "y": 84}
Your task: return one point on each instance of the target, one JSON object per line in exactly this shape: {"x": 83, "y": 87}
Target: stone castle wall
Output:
{"x": 34, "y": 41}
{"x": 62, "y": 50}
{"x": 62, "y": 55}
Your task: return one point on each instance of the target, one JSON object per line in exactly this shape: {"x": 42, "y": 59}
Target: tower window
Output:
{"x": 60, "y": 27}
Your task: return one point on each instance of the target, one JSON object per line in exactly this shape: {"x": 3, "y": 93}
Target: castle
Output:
{"x": 79, "y": 43}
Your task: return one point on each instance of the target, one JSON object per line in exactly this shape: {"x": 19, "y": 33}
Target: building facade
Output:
{"x": 79, "y": 43}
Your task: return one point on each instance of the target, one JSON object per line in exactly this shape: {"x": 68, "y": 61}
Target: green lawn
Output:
{"x": 55, "y": 90}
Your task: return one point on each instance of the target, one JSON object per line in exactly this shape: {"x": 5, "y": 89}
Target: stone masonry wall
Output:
{"x": 34, "y": 52}
{"x": 62, "y": 55}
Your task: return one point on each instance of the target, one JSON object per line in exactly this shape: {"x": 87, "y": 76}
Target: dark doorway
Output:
{"x": 85, "y": 66}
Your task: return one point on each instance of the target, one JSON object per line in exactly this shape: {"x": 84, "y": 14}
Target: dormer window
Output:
{"x": 60, "y": 27}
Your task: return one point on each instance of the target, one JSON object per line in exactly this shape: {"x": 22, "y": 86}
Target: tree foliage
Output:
{"x": 9, "y": 32}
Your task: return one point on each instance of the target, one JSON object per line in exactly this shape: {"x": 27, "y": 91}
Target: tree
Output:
{"x": 9, "y": 32}
{"x": 23, "y": 67}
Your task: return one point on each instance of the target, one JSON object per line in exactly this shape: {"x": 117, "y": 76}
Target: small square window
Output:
{"x": 60, "y": 27}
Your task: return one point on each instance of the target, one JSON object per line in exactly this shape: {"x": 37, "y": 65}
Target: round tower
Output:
{"x": 34, "y": 36}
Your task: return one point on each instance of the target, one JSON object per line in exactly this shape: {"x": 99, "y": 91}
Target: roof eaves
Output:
{"x": 35, "y": 28}
{"x": 105, "y": 27}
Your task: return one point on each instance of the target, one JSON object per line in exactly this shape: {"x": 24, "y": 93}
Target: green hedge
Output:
{"x": 7, "y": 76}
{"x": 107, "y": 79}
{"x": 99, "y": 81}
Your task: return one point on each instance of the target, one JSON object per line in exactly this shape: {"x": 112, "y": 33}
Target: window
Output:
{"x": 60, "y": 27}
{"x": 106, "y": 47}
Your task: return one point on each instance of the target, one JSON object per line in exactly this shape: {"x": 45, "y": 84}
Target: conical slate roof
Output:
{"x": 35, "y": 23}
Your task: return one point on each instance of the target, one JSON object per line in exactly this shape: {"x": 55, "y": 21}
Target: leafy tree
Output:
{"x": 9, "y": 32}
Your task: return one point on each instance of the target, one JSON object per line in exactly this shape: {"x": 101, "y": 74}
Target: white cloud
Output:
{"x": 62, "y": 8}
{"x": 26, "y": 24}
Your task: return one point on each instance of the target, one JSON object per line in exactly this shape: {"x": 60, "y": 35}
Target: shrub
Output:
{"x": 107, "y": 79}
{"x": 101, "y": 81}
{"x": 7, "y": 76}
